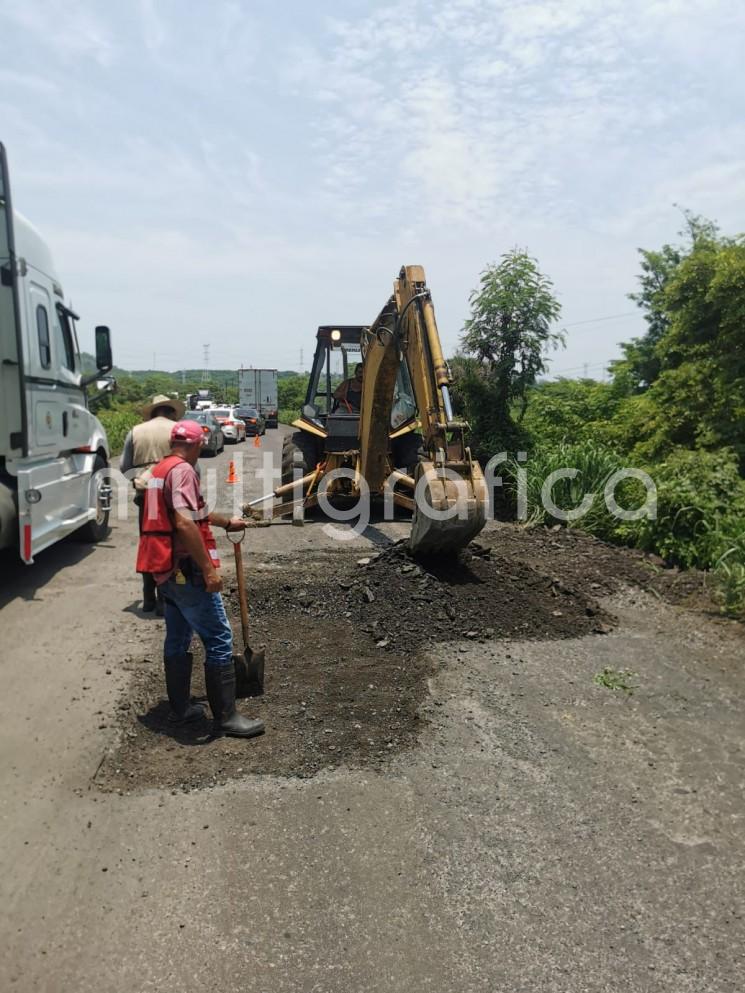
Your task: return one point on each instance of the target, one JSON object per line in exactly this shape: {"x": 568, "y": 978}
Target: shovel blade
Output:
{"x": 249, "y": 673}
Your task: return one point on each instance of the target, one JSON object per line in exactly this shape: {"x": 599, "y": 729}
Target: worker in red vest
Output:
{"x": 177, "y": 546}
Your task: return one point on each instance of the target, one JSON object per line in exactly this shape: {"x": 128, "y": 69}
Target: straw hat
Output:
{"x": 159, "y": 400}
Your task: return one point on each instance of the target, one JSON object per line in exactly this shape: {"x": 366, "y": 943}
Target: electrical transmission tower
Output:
{"x": 205, "y": 370}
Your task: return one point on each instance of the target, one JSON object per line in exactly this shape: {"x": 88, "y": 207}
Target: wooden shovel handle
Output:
{"x": 241, "y": 591}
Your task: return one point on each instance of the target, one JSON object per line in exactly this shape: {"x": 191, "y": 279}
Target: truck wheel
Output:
{"x": 98, "y": 529}
{"x": 308, "y": 458}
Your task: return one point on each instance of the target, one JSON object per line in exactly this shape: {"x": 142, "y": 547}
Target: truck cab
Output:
{"x": 53, "y": 450}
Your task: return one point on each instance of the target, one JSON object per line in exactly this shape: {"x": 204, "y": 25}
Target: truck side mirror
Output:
{"x": 104, "y": 360}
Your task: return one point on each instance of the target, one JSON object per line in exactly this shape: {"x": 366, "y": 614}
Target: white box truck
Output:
{"x": 53, "y": 452}
{"x": 258, "y": 388}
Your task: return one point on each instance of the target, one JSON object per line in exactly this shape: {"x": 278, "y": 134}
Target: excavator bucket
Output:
{"x": 450, "y": 508}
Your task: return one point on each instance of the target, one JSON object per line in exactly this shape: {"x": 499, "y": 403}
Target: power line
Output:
{"x": 597, "y": 320}
{"x": 584, "y": 367}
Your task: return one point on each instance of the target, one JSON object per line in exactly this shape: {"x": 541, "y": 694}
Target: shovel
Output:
{"x": 249, "y": 667}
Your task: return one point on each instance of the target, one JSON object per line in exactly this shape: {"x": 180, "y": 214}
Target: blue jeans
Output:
{"x": 189, "y": 608}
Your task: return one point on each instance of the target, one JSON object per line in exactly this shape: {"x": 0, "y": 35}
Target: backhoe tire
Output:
{"x": 309, "y": 449}
{"x": 407, "y": 451}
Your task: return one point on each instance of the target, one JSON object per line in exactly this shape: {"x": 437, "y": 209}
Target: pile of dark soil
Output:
{"x": 346, "y": 642}
{"x": 400, "y": 605}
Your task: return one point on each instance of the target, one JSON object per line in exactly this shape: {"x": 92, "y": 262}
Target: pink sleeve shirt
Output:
{"x": 182, "y": 488}
{"x": 181, "y": 492}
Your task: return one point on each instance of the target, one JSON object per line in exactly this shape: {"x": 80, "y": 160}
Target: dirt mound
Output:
{"x": 400, "y": 605}
{"x": 346, "y": 641}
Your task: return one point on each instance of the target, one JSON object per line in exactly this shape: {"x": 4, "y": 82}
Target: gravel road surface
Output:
{"x": 528, "y": 829}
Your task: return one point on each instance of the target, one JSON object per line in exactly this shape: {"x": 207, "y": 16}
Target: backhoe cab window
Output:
{"x": 404, "y": 405}
{"x": 332, "y": 365}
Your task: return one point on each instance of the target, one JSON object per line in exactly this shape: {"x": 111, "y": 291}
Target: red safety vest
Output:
{"x": 155, "y": 550}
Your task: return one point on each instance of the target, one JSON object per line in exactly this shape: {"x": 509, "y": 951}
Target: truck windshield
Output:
{"x": 64, "y": 329}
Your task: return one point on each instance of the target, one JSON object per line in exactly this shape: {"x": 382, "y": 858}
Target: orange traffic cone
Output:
{"x": 232, "y": 475}
{"x": 257, "y": 441}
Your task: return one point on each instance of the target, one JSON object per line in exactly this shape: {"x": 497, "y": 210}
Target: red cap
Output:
{"x": 189, "y": 432}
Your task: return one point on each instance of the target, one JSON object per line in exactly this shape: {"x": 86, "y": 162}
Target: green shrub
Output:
{"x": 117, "y": 422}
{"x": 700, "y": 509}
{"x": 570, "y": 411}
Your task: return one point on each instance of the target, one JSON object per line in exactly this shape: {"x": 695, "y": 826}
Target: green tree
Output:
{"x": 641, "y": 363}
{"x": 507, "y": 338}
{"x": 697, "y": 397}
{"x": 291, "y": 391}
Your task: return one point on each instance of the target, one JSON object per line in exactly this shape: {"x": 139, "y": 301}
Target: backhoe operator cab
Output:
{"x": 339, "y": 350}
{"x": 52, "y": 447}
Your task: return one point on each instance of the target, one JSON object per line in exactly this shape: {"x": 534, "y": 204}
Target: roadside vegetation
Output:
{"x": 120, "y": 411}
{"x": 291, "y": 390}
{"x": 674, "y": 405}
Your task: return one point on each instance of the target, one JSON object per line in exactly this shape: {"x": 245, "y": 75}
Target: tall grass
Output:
{"x": 729, "y": 575}
{"x": 595, "y": 464}
{"x": 700, "y": 518}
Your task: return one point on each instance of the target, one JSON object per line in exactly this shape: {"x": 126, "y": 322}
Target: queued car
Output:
{"x": 253, "y": 419}
{"x": 233, "y": 426}
{"x": 214, "y": 440}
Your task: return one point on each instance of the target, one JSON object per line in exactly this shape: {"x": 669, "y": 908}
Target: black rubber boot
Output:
{"x": 178, "y": 685}
{"x": 149, "y": 599}
{"x": 220, "y": 683}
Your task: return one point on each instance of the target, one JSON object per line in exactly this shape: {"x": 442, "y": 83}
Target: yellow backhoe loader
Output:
{"x": 397, "y": 438}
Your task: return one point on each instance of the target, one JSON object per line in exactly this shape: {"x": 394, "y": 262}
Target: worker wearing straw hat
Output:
{"x": 145, "y": 445}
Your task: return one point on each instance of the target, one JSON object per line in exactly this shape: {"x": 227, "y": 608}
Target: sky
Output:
{"x": 235, "y": 173}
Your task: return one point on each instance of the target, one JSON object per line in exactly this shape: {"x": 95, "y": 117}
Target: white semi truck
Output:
{"x": 53, "y": 451}
{"x": 258, "y": 388}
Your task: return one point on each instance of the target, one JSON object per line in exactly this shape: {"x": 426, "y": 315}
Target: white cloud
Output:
{"x": 483, "y": 104}
{"x": 68, "y": 30}
{"x": 26, "y": 81}
{"x": 190, "y": 162}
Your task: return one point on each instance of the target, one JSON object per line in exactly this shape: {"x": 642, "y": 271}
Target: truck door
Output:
{"x": 45, "y": 405}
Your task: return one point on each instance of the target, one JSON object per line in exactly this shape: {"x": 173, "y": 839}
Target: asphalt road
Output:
{"x": 547, "y": 835}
